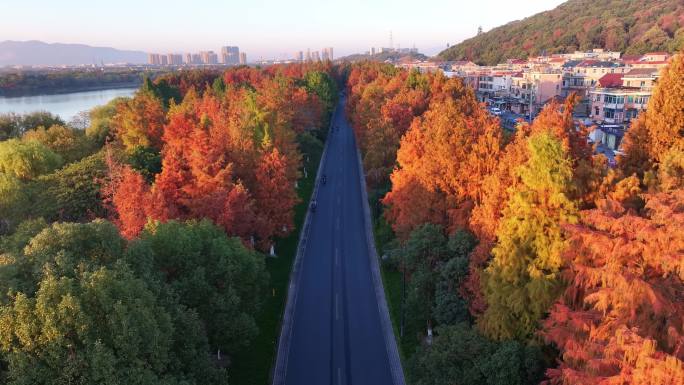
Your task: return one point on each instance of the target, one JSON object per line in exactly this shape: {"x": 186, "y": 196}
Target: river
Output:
{"x": 64, "y": 105}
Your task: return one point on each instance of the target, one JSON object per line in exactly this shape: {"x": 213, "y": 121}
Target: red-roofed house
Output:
{"x": 618, "y": 98}
{"x": 610, "y": 80}
{"x": 631, "y": 58}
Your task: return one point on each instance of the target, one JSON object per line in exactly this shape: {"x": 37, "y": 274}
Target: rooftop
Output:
{"x": 639, "y": 72}
{"x": 610, "y": 80}
{"x": 598, "y": 63}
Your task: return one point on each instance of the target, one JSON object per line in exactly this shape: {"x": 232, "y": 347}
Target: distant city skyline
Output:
{"x": 265, "y": 29}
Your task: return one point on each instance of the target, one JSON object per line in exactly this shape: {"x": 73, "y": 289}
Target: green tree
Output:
{"x": 72, "y": 193}
{"x": 73, "y": 311}
{"x": 323, "y": 86}
{"x": 211, "y": 273}
{"x": 27, "y": 160}
{"x": 99, "y": 327}
{"x": 435, "y": 267}
{"x": 14, "y": 201}
{"x": 68, "y": 143}
{"x": 39, "y": 119}
{"x": 522, "y": 280}
{"x": 145, "y": 160}
{"x": 15, "y": 242}
{"x": 101, "y": 121}
{"x": 459, "y": 355}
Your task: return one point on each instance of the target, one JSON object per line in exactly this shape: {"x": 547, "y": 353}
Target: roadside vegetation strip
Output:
{"x": 283, "y": 344}
{"x": 385, "y": 321}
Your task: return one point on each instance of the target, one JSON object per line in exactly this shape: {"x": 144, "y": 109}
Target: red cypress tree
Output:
{"x": 621, "y": 320}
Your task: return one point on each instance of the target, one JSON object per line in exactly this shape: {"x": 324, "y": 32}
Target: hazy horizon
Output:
{"x": 264, "y": 29}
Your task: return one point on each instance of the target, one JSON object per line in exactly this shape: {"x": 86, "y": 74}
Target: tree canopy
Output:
{"x": 632, "y": 27}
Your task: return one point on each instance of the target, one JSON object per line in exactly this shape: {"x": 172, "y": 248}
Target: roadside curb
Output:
{"x": 385, "y": 321}
{"x": 282, "y": 352}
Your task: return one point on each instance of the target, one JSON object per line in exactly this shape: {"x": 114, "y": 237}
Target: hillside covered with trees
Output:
{"x": 525, "y": 256}
{"x": 628, "y": 26}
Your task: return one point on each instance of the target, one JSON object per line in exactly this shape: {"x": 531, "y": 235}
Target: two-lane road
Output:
{"x": 336, "y": 332}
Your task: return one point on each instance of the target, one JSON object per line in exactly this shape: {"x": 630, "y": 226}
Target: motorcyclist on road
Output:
{"x": 313, "y": 205}
{"x": 324, "y": 179}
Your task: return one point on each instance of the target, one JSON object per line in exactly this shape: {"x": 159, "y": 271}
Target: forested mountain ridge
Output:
{"x": 628, "y": 26}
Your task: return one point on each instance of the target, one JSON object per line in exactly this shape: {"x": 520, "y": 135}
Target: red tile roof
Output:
{"x": 631, "y": 57}
{"x": 610, "y": 80}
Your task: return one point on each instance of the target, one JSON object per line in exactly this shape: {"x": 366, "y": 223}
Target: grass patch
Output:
{"x": 253, "y": 365}
{"x": 391, "y": 281}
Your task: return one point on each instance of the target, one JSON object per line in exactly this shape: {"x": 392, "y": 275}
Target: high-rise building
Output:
{"x": 327, "y": 54}
{"x": 196, "y": 58}
{"x": 230, "y": 55}
{"x": 316, "y": 56}
{"x": 308, "y": 54}
{"x": 153, "y": 59}
{"x": 188, "y": 58}
{"x": 174, "y": 59}
{"x": 209, "y": 57}
{"x": 163, "y": 60}
{"x": 243, "y": 58}
{"x": 299, "y": 56}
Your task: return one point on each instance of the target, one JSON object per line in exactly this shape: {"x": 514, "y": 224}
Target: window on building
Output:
{"x": 596, "y": 111}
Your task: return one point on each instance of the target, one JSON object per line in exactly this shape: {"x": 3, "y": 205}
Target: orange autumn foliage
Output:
{"x": 231, "y": 157}
{"x": 621, "y": 319}
{"x": 131, "y": 198}
{"x": 448, "y": 151}
{"x": 139, "y": 121}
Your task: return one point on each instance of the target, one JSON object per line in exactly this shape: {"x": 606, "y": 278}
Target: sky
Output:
{"x": 262, "y": 28}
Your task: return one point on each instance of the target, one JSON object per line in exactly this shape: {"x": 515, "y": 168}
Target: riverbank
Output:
{"x": 5, "y": 93}
{"x": 65, "y": 105}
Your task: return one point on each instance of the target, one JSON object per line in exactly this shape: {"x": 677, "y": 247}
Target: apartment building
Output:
{"x": 614, "y": 103}
{"x": 154, "y": 59}
{"x": 230, "y": 55}
{"x": 209, "y": 57}
{"x": 643, "y": 78}
{"x": 531, "y": 90}
{"x": 494, "y": 84}
{"x": 174, "y": 59}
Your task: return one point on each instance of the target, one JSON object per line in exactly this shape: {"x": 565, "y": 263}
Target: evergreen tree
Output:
{"x": 522, "y": 280}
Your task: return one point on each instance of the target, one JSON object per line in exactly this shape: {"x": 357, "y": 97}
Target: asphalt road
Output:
{"x": 337, "y": 336}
